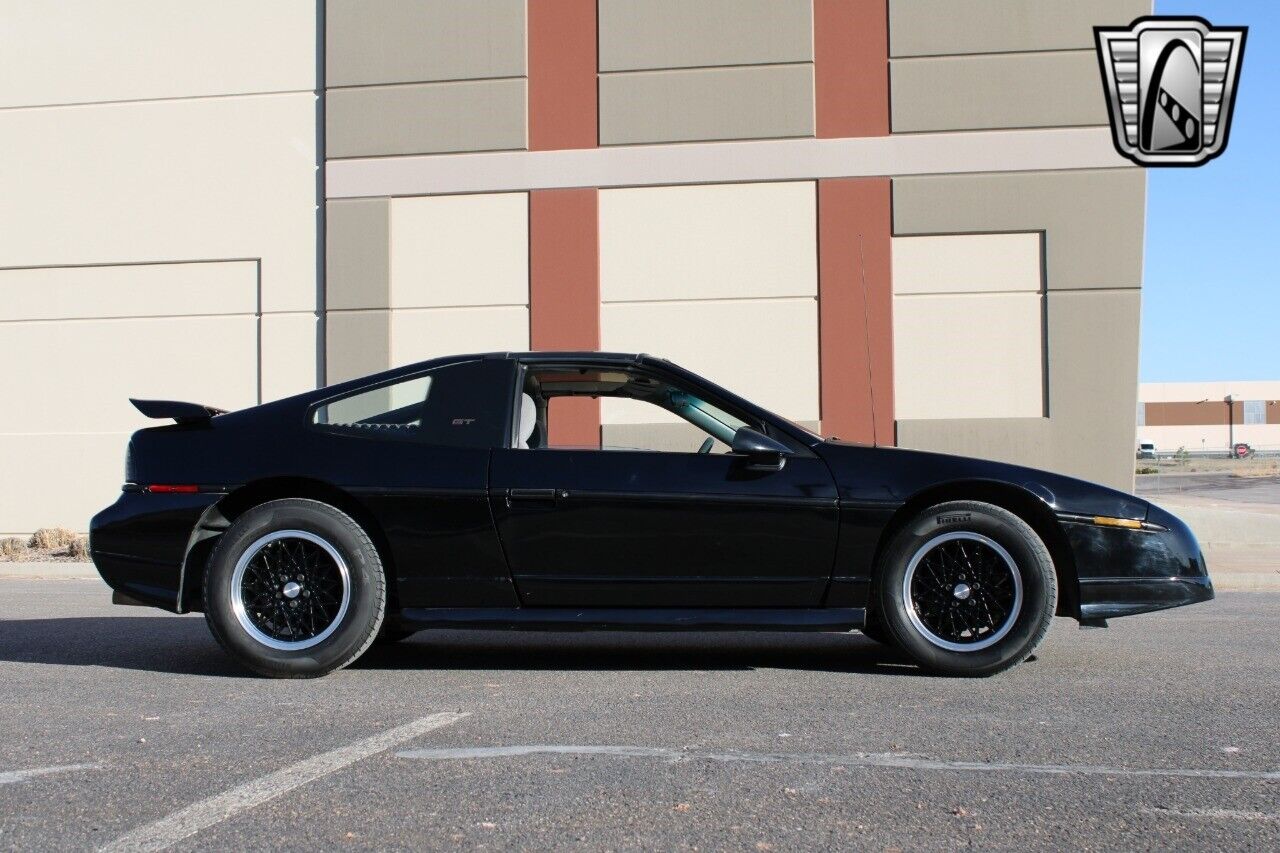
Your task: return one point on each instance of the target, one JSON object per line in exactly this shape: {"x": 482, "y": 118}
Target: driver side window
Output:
{"x": 637, "y": 411}
{"x": 637, "y": 425}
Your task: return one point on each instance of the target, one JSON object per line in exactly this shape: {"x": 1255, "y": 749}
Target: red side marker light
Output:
{"x": 171, "y": 490}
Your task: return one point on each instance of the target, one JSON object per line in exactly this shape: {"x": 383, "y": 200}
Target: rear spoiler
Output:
{"x": 183, "y": 413}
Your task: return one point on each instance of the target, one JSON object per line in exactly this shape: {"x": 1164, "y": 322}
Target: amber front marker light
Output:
{"x": 1107, "y": 521}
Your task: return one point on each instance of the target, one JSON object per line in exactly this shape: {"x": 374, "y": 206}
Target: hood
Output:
{"x": 892, "y": 474}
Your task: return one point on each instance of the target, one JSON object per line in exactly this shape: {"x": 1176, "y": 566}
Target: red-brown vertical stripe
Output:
{"x": 564, "y": 252}
{"x": 564, "y": 295}
{"x": 854, "y": 233}
{"x": 851, "y": 67}
{"x": 562, "y": 74}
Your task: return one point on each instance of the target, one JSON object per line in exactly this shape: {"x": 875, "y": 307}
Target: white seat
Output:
{"x": 528, "y": 419}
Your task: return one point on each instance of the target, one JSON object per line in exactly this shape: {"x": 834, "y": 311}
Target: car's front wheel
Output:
{"x": 966, "y": 588}
{"x": 295, "y": 589}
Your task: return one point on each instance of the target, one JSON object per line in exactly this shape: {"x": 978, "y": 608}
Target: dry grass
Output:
{"x": 79, "y": 548}
{"x": 51, "y": 538}
{"x": 13, "y": 548}
{"x": 1260, "y": 468}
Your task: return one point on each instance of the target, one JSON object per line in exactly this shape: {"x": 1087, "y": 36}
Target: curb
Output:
{"x": 1263, "y": 581}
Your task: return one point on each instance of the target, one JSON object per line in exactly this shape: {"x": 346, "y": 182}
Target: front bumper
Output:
{"x": 139, "y": 543}
{"x": 1124, "y": 571}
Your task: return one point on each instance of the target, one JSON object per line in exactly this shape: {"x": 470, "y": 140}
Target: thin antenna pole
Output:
{"x": 866, "y": 342}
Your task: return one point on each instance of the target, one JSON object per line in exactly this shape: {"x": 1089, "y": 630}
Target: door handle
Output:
{"x": 541, "y": 495}
{"x": 533, "y": 494}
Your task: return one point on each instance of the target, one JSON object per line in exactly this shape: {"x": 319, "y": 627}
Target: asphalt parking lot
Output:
{"x": 1210, "y": 486}
{"x": 126, "y": 729}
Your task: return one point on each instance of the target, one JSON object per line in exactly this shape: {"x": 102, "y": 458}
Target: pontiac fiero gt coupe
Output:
{"x": 430, "y": 496}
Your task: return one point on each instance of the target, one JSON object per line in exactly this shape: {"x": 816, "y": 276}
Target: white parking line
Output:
{"x": 11, "y": 776}
{"x": 858, "y": 759}
{"x": 186, "y": 822}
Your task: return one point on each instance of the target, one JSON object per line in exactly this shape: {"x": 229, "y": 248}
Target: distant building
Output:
{"x": 1197, "y": 416}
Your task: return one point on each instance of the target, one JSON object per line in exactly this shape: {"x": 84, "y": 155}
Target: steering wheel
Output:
{"x": 707, "y": 445}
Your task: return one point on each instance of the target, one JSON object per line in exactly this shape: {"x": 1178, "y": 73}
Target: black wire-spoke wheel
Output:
{"x": 294, "y": 589}
{"x": 964, "y": 590}
{"x": 290, "y": 590}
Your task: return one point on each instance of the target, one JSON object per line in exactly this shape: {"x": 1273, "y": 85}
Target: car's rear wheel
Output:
{"x": 294, "y": 589}
{"x": 966, "y": 588}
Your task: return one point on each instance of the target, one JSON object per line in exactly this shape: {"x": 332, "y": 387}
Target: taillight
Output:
{"x": 185, "y": 489}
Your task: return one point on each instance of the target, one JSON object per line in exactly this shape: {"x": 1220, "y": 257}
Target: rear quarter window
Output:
{"x": 455, "y": 405}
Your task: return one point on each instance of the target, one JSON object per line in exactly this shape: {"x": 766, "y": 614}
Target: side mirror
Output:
{"x": 762, "y": 453}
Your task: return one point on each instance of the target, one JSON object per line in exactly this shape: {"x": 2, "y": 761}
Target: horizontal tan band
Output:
{"x": 725, "y": 162}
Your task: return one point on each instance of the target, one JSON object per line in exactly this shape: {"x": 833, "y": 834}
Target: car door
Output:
{"x": 588, "y": 527}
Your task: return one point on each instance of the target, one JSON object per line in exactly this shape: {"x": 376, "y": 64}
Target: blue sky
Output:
{"x": 1211, "y": 281}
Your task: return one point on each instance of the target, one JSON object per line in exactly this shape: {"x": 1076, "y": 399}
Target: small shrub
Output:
{"x": 49, "y": 538}
{"x": 79, "y": 548}
{"x": 12, "y": 548}
{"x": 1147, "y": 469}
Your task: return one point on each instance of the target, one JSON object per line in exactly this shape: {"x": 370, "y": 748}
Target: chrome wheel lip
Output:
{"x": 1014, "y": 610}
{"x": 237, "y": 591}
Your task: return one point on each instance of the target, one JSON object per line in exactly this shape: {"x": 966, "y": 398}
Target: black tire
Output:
{"x": 330, "y": 553}
{"x": 950, "y": 623}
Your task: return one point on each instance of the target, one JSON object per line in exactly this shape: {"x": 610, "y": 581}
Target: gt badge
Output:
{"x": 1170, "y": 85}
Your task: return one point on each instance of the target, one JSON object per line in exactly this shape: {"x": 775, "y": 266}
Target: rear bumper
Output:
{"x": 138, "y": 544}
{"x": 1124, "y": 571}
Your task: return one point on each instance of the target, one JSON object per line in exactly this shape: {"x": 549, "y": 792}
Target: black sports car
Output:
{"x": 428, "y": 496}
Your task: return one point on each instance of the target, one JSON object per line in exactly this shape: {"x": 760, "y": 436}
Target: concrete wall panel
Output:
{"x": 968, "y": 356}
{"x": 708, "y": 242}
{"x": 356, "y": 343}
{"x": 717, "y": 103}
{"x": 206, "y": 179}
{"x": 288, "y": 343}
{"x": 700, "y": 33}
{"x": 1093, "y": 359}
{"x": 357, "y": 245}
{"x": 765, "y": 349}
{"x": 85, "y": 51}
{"x": 413, "y": 41}
{"x": 59, "y": 479}
{"x": 481, "y": 115}
{"x": 131, "y": 290}
{"x": 937, "y": 27}
{"x": 422, "y": 333}
{"x": 967, "y": 263}
{"x": 460, "y": 250}
{"x": 1094, "y": 219}
{"x": 82, "y": 372}
{"x": 996, "y": 91}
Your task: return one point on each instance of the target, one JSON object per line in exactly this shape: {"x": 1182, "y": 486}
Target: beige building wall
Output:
{"x": 1008, "y": 64}
{"x": 424, "y": 76}
{"x": 683, "y": 70}
{"x": 415, "y": 278}
{"x": 159, "y": 233}
{"x": 968, "y": 326}
{"x": 1092, "y": 222}
{"x": 720, "y": 279}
